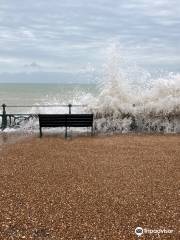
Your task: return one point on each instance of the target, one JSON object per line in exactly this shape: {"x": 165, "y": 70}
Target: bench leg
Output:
{"x": 66, "y": 133}
{"x": 40, "y": 132}
{"x": 92, "y": 131}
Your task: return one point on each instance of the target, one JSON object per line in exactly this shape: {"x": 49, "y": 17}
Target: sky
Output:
{"x": 67, "y": 40}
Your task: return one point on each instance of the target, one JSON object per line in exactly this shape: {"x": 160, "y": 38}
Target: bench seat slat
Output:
{"x": 52, "y": 125}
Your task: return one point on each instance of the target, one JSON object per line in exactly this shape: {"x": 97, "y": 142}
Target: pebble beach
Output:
{"x": 89, "y": 187}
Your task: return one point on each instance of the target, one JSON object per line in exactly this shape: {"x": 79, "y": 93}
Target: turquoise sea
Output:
{"x": 42, "y": 93}
{"x": 118, "y": 105}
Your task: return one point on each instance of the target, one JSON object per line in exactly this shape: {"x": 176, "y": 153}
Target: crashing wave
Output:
{"x": 128, "y": 99}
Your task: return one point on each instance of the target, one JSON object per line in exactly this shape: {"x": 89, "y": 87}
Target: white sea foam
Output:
{"x": 127, "y": 104}
{"x": 128, "y": 99}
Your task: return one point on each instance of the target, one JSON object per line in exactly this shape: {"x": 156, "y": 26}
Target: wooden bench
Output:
{"x": 65, "y": 120}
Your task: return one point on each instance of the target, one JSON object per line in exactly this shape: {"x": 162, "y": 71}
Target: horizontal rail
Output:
{"x": 24, "y": 106}
{"x": 19, "y": 114}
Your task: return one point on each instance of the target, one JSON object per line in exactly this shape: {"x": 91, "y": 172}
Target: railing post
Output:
{"x": 4, "y": 117}
{"x": 70, "y": 106}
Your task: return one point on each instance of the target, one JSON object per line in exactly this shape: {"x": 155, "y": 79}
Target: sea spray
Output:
{"x": 127, "y": 99}
{"x": 126, "y": 104}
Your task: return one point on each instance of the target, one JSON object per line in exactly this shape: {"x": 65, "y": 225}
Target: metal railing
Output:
{"x": 25, "y": 116}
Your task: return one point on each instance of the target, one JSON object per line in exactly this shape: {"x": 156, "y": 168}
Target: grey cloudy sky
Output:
{"x": 71, "y": 36}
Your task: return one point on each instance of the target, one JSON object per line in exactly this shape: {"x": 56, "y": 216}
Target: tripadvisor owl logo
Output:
{"x": 139, "y": 231}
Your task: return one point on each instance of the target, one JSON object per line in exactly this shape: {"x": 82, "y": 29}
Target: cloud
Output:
{"x": 32, "y": 65}
{"x": 72, "y": 34}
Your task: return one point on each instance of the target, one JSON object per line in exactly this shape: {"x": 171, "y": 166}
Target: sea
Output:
{"x": 124, "y": 99}
{"x": 32, "y": 94}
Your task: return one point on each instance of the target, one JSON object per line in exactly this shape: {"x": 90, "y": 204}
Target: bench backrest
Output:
{"x": 66, "y": 120}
